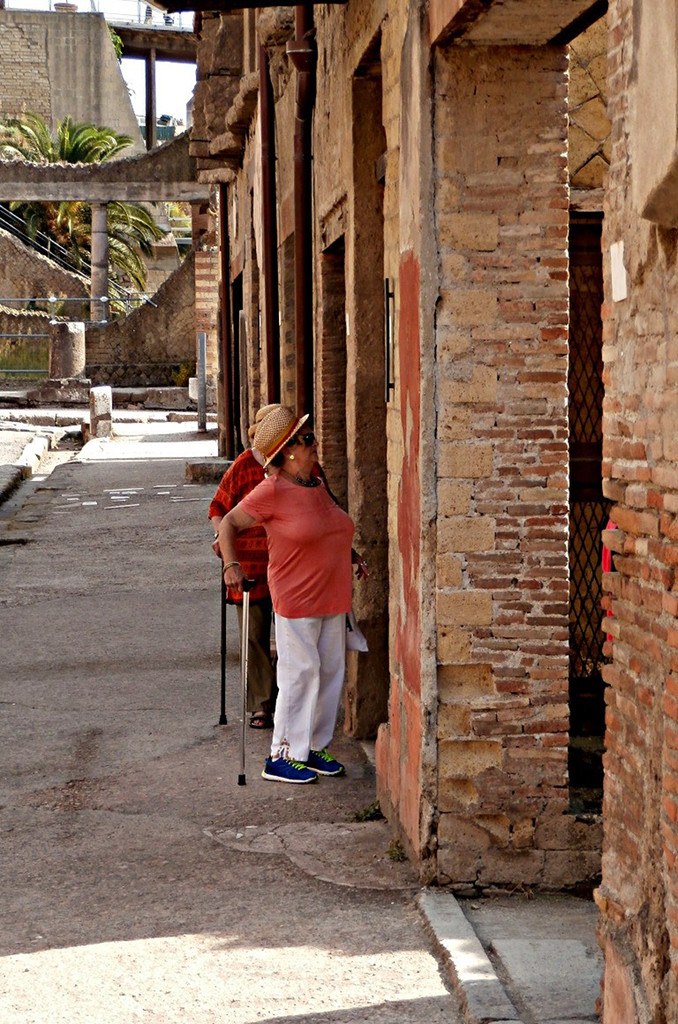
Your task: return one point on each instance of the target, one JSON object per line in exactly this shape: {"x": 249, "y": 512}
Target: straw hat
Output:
{"x": 275, "y": 430}
{"x": 264, "y": 411}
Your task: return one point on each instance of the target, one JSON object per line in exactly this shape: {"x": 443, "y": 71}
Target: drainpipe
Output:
{"x": 302, "y": 53}
{"x": 270, "y": 229}
{"x": 226, "y": 434}
{"x": 151, "y": 112}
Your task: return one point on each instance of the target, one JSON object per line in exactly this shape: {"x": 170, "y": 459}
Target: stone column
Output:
{"x": 101, "y": 411}
{"x": 67, "y": 351}
{"x": 99, "y": 280}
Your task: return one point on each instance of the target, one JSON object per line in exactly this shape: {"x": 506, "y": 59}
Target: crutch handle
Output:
{"x": 248, "y": 585}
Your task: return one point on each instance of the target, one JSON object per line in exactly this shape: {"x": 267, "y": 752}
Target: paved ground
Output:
{"x": 140, "y": 882}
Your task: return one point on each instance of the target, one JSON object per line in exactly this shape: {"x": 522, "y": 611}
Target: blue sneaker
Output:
{"x": 279, "y": 769}
{"x": 322, "y": 763}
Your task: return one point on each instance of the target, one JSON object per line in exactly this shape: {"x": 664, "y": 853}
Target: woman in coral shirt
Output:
{"x": 309, "y": 576}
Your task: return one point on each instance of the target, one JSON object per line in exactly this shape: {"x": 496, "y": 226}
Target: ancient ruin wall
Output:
{"x": 149, "y": 346}
{"x": 639, "y": 893}
{"x": 25, "y": 274}
{"x": 589, "y": 125}
{"x": 502, "y": 572}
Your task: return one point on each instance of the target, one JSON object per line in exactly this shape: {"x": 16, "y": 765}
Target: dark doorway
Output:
{"x": 588, "y": 515}
{"x": 235, "y": 411}
{"x": 331, "y": 368}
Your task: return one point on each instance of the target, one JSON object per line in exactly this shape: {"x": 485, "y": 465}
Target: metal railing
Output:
{"x": 117, "y": 12}
{"x": 116, "y": 305}
{"x": 43, "y": 244}
{"x": 55, "y": 252}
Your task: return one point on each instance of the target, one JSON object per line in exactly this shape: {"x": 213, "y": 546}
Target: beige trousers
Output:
{"x": 261, "y": 686}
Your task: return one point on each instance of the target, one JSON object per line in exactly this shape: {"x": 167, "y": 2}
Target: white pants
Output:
{"x": 311, "y": 664}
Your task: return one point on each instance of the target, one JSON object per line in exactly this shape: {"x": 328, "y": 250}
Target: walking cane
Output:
{"x": 222, "y": 717}
{"x": 246, "y": 587}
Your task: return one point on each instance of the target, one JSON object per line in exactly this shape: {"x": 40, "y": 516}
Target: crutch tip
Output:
{"x": 242, "y": 781}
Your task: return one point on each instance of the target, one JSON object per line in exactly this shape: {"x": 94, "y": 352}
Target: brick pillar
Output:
{"x": 207, "y": 306}
{"x": 501, "y": 208}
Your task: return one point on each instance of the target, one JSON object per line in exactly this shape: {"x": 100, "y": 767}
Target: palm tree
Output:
{"x": 131, "y": 227}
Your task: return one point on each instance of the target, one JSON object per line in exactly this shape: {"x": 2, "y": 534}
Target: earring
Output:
{"x": 291, "y": 458}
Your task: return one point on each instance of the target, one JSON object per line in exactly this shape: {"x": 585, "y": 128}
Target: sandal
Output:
{"x": 261, "y": 720}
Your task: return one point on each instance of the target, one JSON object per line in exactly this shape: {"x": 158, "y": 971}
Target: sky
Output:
{"x": 173, "y": 83}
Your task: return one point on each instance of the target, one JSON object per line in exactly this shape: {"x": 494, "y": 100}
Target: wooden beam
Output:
{"x": 453, "y": 17}
{"x": 597, "y": 10}
{"x": 177, "y": 45}
{"x": 228, "y": 6}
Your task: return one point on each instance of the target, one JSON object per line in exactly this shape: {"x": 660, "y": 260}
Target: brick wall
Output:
{"x": 472, "y": 763}
{"x": 58, "y": 64}
{"x": 639, "y": 893}
{"x": 502, "y": 529}
{"x": 149, "y": 346}
{"x": 24, "y": 84}
{"x": 207, "y": 305}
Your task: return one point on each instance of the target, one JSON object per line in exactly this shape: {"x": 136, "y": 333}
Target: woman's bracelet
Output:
{"x": 229, "y": 565}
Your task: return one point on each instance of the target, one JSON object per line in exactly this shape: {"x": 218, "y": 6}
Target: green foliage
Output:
{"x": 181, "y": 376}
{"x": 396, "y": 851}
{"x": 370, "y": 813}
{"x": 29, "y": 138}
{"x": 131, "y": 227}
{"x": 117, "y": 42}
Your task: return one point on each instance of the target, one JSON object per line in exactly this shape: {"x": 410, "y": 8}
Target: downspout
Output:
{"x": 151, "y": 111}
{"x": 302, "y": 53}
{"x": 226, "y": 433}
{"x": 270, "y": 229}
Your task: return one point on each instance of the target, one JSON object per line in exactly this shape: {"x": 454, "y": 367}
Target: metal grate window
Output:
{"x": 588, "y": 515}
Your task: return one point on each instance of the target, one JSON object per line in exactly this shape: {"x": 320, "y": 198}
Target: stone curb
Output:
{"x": 481, "y": 994}
{"x": 206, "y": 471}
{"x": 75, "y": 417}
{"x": 32, "y": 455}
{"x": 25, "y": 466}
{"x": 10, "y": 478}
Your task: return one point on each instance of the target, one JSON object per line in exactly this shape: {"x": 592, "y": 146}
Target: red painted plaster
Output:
{"x": 408, "y": 626}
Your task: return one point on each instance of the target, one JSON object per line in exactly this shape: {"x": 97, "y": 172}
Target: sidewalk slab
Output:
{"x": 511, "y": 958}
{"x": 468, "y": 966}
{"x": 557, "y": 978}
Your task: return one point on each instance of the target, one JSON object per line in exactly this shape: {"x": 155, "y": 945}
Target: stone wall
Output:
{"x": 639, "y": 893}
{"x": 58, "y": 64}
{"x": 25, "y": 274}
{"x": 589, "y": 124}
{"x": 445, "y": 174}
{"x": 150, "y": 345}
{"x": 502, "y": 528}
